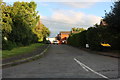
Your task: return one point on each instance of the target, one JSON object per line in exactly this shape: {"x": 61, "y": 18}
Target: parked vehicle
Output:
{"x": 55, "y": 42}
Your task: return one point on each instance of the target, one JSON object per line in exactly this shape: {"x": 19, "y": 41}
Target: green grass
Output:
{"x": 20, "y": 50}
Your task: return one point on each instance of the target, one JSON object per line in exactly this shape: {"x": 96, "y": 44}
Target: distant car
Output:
{"x": 55, "y": 42}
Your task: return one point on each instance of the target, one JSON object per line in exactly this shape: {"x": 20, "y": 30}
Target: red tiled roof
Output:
{"x": 65, "y": 32}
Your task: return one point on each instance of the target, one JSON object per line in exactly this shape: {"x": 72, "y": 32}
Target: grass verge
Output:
{"x": 20, "y": 50}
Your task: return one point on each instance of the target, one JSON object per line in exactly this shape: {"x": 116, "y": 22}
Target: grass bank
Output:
{"x": 20, "y": 50}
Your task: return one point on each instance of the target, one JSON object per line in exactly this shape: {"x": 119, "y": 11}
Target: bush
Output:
{"x": 74, "y": 40}
{"x": 115, "y": 41}
{"x": 113, "y": 20}
{"x": 93, "y": 38}
{"x": 82, "y": 39}
{"x": 8, "y": 45}
{"x": 78, "y": 39}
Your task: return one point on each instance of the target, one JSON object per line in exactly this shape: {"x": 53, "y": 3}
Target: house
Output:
{"x": 103, "y": 23}
{"x": 63, "y": 36}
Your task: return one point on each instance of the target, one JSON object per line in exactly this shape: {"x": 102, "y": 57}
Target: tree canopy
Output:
{"x": 41, "y": 31}
{"x": 18, "y": 21}
{"x": 113, "y": 18}
{"x": 78, "y": 29}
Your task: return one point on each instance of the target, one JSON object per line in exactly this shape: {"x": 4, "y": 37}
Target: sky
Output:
{"x": 62, "y": 15}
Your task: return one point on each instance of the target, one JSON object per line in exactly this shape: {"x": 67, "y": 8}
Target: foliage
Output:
{"x": 93, "y": 38}
{"x": 73, "y": 40}
{"x": 41, "y": 31}
{"x": 113, "y": 20}
{"x": 78, "y": 39}
{"x": 6, "y": 20}
{"x": 109, "y": 33}
{"x": 82, "y": 39}
{"x": 78, "y": 29}
{"x": 114, "y": 41}
{"x": 24, "y": 18}
{"x": 8, "y": 45}
{"x": 17, "y": 22}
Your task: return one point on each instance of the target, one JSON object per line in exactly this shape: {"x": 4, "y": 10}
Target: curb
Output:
{"x": 99, "y": 53}
{"x": 25, "y": 60}
{"x": 109, "y": 55}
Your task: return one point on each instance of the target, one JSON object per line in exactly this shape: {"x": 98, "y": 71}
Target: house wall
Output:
{"x": 64, "y": 35}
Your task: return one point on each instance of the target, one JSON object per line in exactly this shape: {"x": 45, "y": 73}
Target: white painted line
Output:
{"x": 88, "y": 68}
{"x": 84, "y": 67}
{"x": 81, "y": 64}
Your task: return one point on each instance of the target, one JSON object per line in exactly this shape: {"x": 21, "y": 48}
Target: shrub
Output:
{"x": 82, "y": 39}
{"x": 93, "y": 38}
{"x": 78, "y": 39}
{"x": 8, "y": 45}
{"x": 115, "y": 41}
{"x": 74, "y": 40}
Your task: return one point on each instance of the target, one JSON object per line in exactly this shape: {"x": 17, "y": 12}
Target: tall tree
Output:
{"x": 41, "y": 31}
{"x": 24, "y": 17}
{"x": 6, "y": 20}
{"x": 113, "y": 20}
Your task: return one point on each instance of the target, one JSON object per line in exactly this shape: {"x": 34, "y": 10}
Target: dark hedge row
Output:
{"x": 94, "y": 36}
{"x": 89, "y": 36}
{"x": 78, "y": 40}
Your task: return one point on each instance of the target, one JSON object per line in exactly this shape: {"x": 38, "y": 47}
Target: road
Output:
{"x": 63, "y": 61}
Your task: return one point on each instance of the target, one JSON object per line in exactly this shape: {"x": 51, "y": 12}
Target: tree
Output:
{"x": 93, "y": 38}
{"x": 41, "y": 31}
{"x": 6, "y": 20}
{"x": 82, "y": 39}
{"x": 113, "y": 20}
{"x": 24, "y": 18}
{"x": 5, "y": 25}
{"x": 17, "y": 22}
{"x": 78, "y": 29}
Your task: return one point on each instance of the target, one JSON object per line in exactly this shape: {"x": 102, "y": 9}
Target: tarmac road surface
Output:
{"x": 63, "y": 61}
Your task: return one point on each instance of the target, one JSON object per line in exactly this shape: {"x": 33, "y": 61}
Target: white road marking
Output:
{"x": 81, "y": 64}
{"x": 84, "y": 67}
{"x": 88, "y": 68}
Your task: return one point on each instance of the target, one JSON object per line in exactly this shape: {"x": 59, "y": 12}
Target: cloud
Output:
{"x": 64, "y": 20}
{"x": 43, "y": 4}
{"x": 79, "y": 4}
{"x": 72, "y": 17}
{"x": 43, "y": 17}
